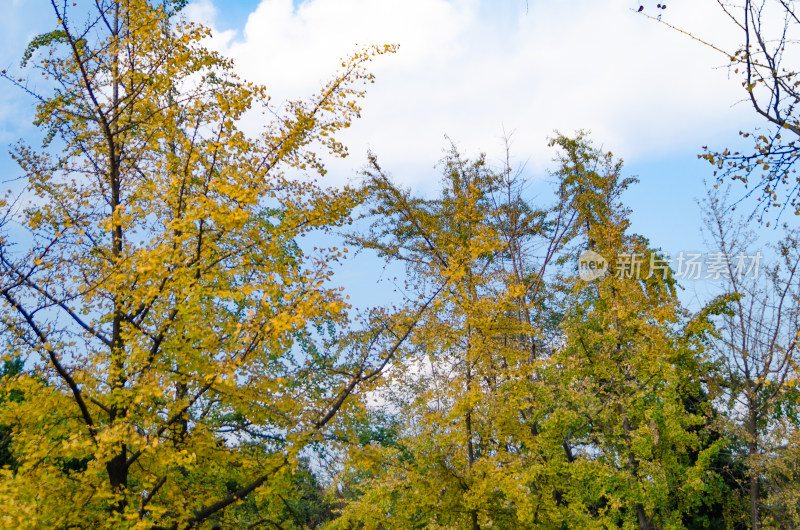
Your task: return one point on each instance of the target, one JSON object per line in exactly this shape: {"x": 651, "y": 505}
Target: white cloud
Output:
{"x": 205, "y": 12}
{"x": 469, "y": 69}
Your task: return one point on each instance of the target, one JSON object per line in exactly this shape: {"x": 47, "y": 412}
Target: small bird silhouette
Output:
{"x": 640, "y": 9}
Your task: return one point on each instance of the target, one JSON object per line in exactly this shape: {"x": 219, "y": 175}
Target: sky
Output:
{"x": 479, "y": 70}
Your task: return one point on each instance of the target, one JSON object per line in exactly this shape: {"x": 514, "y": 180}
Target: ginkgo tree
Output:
{"x": 764, "y": 62}
{"x": 529, "y": 397}
{"x": 150, "y": 275}
{"x": 457, "y": 460}
{"x": 631, "y": 362}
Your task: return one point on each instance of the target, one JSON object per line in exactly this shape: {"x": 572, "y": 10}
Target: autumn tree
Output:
{"x": 631, "y": 363}
{"x": 530, "y": 397}
{"x": 756, "y": 347}
{"x": 463, "y": 393}
{"x": 765, "y": 64}
{"x": 152, "y": 280}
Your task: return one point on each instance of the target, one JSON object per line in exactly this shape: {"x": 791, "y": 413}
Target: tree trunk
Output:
{"x": 468, "y": 424}
{"x": 644, "y": 522}
{"x": 117, "y": 469}
{"x": 752, "y": 449}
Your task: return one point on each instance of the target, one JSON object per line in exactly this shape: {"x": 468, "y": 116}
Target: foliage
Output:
{"x": 174, "y": 358}
{"x": 9, "y": 369}
{"x": 535, "y": 399}
{"x": 626, "y": 370}
{"x": 153, "y": 283}
{"x": 756, "y": 348}
{"x": 769, "y": 30}
{"x": 459, "y": 394}
{"x": 763, "y": 61}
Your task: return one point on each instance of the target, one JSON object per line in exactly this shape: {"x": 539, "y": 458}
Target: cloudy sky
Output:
{"x": 472, "y": 69}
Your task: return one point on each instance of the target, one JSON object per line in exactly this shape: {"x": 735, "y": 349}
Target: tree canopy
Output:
{"x": 174, "y": 356}
{"x": 159, "y": 289}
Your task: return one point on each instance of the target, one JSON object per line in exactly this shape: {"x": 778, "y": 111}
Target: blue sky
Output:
{"x": 233, "y": 14}
{"x": 474, "y": 68}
